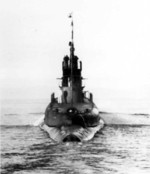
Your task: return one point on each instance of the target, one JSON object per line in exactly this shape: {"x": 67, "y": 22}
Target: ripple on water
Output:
{"x": 27, "y": 149}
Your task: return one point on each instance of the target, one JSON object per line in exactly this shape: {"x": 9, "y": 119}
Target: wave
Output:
{"x": 138, "y": 114}
{"x": 142, "y": 114}
{"x": 11, "y": 114}
{"x": 15, "y": 126}
{"x": 36, "y": 113}
{"x": 15, "y": 114}
{"x": 125, "y": 119}
{"x": 20, "y": 119}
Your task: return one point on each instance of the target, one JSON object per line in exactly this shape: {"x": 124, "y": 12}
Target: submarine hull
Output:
{"x": 78, "y": 123}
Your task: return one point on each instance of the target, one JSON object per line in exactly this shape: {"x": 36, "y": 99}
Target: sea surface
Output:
{"x": 28, "y": 149}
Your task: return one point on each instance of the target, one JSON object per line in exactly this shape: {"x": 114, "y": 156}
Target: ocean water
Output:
{"x": 27, "y": 149}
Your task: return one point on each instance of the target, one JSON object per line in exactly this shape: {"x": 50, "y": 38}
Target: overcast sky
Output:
{"x": 112, "y": 38}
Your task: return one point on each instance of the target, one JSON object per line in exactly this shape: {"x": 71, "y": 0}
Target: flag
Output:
{"x": 70, "y": 15}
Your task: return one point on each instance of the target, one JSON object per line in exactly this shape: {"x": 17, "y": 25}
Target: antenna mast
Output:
{"x": 71, "y": 55}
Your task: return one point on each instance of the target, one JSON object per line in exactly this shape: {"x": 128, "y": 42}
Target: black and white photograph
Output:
{"x": 74, "y": 86}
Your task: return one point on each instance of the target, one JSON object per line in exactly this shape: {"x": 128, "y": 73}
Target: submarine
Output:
{"x": 75, "y": 117}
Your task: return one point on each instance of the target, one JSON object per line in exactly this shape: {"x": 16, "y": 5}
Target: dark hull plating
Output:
{"x": 65, "y": 123}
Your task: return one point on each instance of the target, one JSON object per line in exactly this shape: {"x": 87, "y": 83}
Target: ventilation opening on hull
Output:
{"x": 71, "y": 138}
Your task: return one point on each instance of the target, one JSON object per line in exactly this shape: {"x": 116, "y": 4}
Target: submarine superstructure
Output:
{"x": 75, "y": 117}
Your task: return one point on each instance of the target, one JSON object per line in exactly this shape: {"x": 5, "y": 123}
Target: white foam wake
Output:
{"x": 39, "y": 121}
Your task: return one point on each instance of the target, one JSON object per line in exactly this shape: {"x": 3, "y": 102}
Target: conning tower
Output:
{"x": 72, "y": 89}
